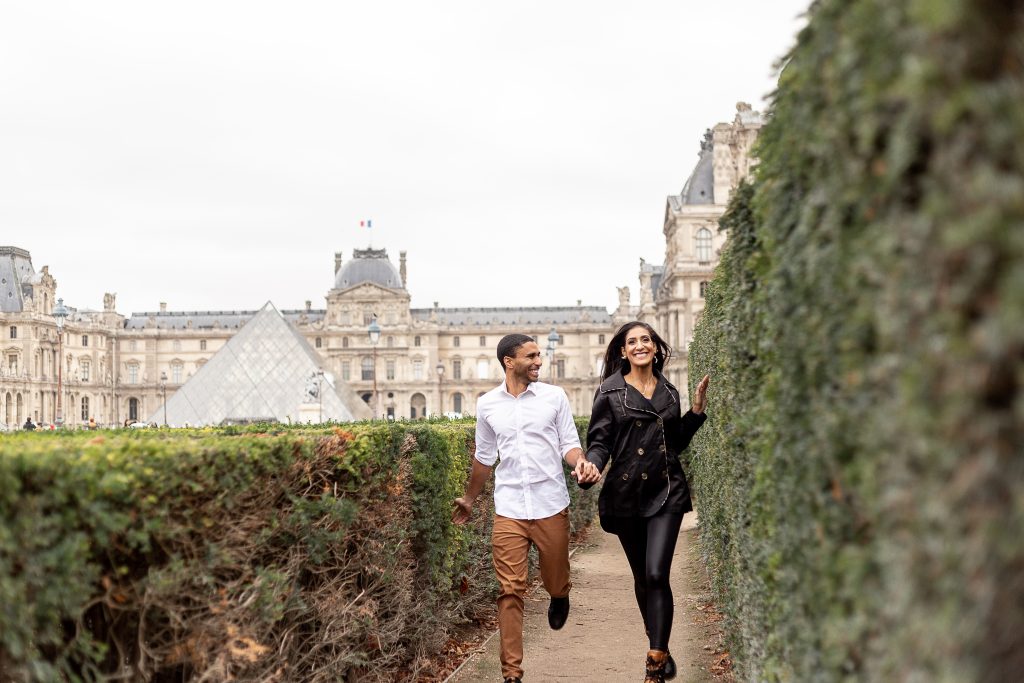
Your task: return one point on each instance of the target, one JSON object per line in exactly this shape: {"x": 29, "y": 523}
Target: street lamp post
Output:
{"x": 440, "y": 394}
{"x": 552, "y": 343}
{"x": 163, "y": 391}
{"x": 374, "y": 331}
{"x": 320, "y": 392}
{"x": 60, "y": 314}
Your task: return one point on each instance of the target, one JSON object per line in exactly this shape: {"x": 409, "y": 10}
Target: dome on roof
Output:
{"x": 700, "y": 187}
{"x": 369, "y": 265}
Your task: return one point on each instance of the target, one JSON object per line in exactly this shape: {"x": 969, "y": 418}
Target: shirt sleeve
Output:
{"x": 568, "y": 437}
{"x": 486, "y": 442}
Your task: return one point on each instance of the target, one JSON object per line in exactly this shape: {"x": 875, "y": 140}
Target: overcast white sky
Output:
{"x": 215, "y": 155}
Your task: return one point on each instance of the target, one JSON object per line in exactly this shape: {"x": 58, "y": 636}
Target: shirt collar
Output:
{"x": 529, "y": 388}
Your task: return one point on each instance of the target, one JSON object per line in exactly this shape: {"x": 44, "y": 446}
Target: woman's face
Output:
{"x": 639, "y": 349}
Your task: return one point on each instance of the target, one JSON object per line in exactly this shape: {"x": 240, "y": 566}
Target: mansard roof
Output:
{"x": 700, "y": 186}
{"x": 369, "y": 265}
{"x": 537, "y": 315}
{"x": 210, "y": 320}
{"x": 16, "y": 272}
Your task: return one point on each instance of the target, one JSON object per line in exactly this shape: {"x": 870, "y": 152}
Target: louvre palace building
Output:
{"x": 426, "y": 361}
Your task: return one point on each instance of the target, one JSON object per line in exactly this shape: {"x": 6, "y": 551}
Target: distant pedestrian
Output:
{"x": 29, "y": 424}
{"x": 637, "y": 424}
{"x": 92, "y": 423}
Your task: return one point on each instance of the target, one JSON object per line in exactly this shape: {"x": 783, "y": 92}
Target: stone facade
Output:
{"x": 113, "y": 364}
{"x": 672, "y": 294}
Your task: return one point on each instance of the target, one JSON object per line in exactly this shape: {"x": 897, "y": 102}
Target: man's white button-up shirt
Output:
{"x": 530, "y": 434}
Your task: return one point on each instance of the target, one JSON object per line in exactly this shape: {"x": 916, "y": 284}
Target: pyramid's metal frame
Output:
{"x": 263, "y": 372}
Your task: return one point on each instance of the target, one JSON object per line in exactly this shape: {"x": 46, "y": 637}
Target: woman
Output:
{"x": 638, "y": 424}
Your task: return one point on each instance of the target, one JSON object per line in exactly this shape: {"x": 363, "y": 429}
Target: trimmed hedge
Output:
{"x": 314, "y": 554}
{"x": 861, "y": 481}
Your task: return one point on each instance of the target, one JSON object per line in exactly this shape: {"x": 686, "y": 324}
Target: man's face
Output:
{"x": 525, "y": 366}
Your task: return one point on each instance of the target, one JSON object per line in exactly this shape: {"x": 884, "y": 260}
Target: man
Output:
{"x": 528, "y": 424}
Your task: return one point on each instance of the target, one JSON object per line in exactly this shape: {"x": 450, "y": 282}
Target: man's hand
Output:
{"x": 700, "y": 396}
{"x": 585, "y": 471}
{"x": 463, "y": 510}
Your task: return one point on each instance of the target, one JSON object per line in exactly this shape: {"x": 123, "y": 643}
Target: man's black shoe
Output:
{"x": 558, "y": 612}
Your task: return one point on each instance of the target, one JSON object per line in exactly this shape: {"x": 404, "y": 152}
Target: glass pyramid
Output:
{"x": 265, "y": 372}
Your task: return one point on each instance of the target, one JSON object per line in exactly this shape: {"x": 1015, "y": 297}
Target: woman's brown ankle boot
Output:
{"x": 656, "y": 660}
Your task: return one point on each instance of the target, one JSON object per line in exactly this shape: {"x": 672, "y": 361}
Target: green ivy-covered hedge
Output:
{"x": 255, "y": 553}
{"x": 861, "y": 483}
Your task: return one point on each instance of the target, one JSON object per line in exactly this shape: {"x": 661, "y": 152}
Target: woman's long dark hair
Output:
{"x": 613, "y": 360}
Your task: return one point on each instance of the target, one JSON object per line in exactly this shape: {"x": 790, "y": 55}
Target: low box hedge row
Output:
{"x": 254, "y": 553}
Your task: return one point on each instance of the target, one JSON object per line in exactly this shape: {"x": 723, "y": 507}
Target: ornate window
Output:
{"x": 367, "y": 317}
{"x": 482, "y": 366}
{"x": 346, "y": 370}
{"x": 85, "y": 409}
{"x": 456, "y": 341}
{"x": 133, "y": 374}
{"x": 416, "y": 341}
{"x": 600, "y": 339}
{"x": 483, "y": 340}
{"x": 202, "y": 344}
{"x": 456, "y": 369}
{"x": 367, "y": 368}
{"x": 344, "y": 342}
{"x": 703, "y": 289}
{"x": 391, "y": 342}
{"x": 83, "y": 369}
{"x": 389, "y": 369}
{"x": 417, "y": 368}
{"x": 176, "y": 373}
{"x": 560, "y": 368}
{"x": 704, "y": 245}
{"x": 176, "y": 345}
{"x": 457, "y": 403}
{"x": 319, "y": 343}
{"x": 133, "y": 409}
{"x": 85, "y": 340}
{"x": 14, "y": 331}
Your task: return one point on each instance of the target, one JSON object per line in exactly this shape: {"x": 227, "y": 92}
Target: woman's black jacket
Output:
{"x": 643, "y": 440}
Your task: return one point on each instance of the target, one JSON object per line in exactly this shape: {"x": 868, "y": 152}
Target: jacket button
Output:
{"x": 662, "y": 448}
{"x": 639, "y": 423}
{"x": 640, "y": 451}
{"x": 660, "y": 422}
{"x": 665, "y": 473}
{"x": 625, "y": 476}
{"x": 643, "y": 476}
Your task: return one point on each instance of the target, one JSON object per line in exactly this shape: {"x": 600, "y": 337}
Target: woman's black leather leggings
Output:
{"x": 649, "y": 543}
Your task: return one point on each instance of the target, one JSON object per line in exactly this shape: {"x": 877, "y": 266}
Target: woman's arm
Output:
{"x": 600, "y": 434}
{"x": 694, "y": 417}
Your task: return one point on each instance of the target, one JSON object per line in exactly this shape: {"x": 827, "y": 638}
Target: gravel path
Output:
{"x": 604, "y": 639}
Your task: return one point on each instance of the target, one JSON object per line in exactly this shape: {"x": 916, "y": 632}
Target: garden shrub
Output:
{"x": 860, "y": 481}
{"x": 262, "y": 553}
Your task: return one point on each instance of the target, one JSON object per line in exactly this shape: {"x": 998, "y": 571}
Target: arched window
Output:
{"x": 457, "y": 403}
{"x": 133, "y": 409}
{"x": 7, "y": 408}
{"x": 417, "y": 406}
{"x": 367, "y": 368}
{"x": 416, "y": 341}
{"x": 704, "y": 245}
{"x": 21, "y": 408}
{"x": 85, "y": 409}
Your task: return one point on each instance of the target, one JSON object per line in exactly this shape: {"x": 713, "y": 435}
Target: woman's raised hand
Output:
{"x": 700, "y": 395}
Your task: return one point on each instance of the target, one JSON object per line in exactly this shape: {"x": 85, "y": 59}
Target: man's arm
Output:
{"x": 477, "y": 479}
{"x": 584, "y": 471}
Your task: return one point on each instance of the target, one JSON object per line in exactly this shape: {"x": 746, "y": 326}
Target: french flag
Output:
{"x": 365, "y": 224}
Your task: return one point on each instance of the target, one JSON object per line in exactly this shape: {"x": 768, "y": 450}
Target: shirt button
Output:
{"x": 640, "y": 451}
{"x": 643, "y": 476}
{"x": 625, "y": 476}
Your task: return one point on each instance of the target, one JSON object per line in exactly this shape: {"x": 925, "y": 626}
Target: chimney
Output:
{"x": 401, "y": 266}
{"x": 337, "y": 262}
{"x": 163, "y": 306}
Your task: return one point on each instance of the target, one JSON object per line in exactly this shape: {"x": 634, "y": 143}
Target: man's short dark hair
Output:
{"x": 509, "y": 344}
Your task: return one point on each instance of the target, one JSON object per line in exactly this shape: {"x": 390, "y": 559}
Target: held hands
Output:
{"x": 463, "y": 510}
{"x": 585, "y": 472}
{"x": 700, "y": 396}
